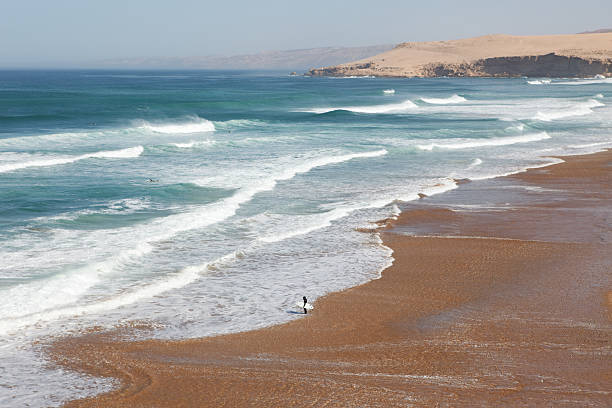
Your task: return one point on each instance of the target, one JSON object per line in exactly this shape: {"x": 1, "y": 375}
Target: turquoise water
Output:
{"x": 208, "y": 202}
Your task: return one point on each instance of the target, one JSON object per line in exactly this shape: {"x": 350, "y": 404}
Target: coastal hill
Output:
{"x": 286, "y": 60}
{"x": 571, "y": 55}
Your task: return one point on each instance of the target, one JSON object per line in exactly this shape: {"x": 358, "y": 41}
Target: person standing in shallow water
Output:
{"x": 305, "y": 301}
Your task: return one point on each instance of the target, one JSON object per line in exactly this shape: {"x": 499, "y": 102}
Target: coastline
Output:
{"x": 489, "y": 317}
{"x": 565, "y": 55}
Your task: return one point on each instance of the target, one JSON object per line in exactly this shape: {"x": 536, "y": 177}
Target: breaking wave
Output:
{"x": 539, "y": 82}
{"x": 130, "y": 152}
{"x": 195, "y": 125}
{"x": 498, "y": 141}
{"x": 580, "y": 109}
{"x": 477, "y": 162}
{"x": 444, "y": 101}
{"x": 71, "y": 285}
{"x": 586, "y": 81}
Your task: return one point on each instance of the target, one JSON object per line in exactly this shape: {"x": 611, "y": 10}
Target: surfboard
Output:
{"x": 300, "y": 305}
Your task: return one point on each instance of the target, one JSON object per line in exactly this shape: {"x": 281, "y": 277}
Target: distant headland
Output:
{"x": 570, "y": 55}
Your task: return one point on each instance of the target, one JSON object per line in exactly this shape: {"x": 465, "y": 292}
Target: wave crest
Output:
{"x": 497, "y": 141}
{"x": 539, "y": 82}
{"x": 444, "y": 101}
{"x": 402, "y": 107}
{"x": 195, "y": 125}
{"x": 580, "y": 109}
{"x": 130, "y": 152}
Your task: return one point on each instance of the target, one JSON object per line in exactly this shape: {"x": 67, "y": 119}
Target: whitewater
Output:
{"x": 183, "y": 200}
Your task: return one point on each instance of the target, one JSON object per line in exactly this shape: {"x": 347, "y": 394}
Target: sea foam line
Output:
{"x": 324, "y": 220}
{"x": 173, "y": 281}
{"x": 586, "y": 81}
{"x": 130, "y": 152}
{"x": 498, "y": 141}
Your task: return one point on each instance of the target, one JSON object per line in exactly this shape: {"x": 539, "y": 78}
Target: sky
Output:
{"x": 64, "y": 33}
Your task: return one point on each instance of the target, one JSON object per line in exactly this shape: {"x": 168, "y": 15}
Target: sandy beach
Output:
{"x": 500, "y": 295}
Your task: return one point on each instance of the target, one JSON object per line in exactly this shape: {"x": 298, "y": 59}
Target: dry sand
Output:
{"x": 521, "y": 318}
{"x": 421, "y": 58}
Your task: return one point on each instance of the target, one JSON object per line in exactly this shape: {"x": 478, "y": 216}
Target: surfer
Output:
{"x": 305, "y": 301}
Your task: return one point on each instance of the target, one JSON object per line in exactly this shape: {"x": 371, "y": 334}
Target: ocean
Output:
{"x": 196, "y": 203}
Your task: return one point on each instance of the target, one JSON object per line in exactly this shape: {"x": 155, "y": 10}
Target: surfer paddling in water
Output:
{"x": 305, "y": 302}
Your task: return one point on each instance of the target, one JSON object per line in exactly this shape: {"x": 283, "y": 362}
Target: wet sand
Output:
{"x": 500, "y": 295}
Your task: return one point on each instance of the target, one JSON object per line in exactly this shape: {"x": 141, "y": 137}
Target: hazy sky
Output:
{"x": 72, "y": 32}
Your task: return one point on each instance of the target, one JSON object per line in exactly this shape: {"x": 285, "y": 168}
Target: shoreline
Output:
{"x": 472, "y": 320}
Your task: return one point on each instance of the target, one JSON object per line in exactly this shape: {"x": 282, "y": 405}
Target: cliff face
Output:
{"x": 490, "y": 56}
{"x": 549, "y": 65}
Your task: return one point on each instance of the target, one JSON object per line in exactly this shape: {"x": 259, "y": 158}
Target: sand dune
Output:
{"x": 572, "y": 55}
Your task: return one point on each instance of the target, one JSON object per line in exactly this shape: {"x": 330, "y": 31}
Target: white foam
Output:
{"x": 444, "y": 101}
{"x": 353, "y": 77}
{"x": 579, "y": 109}
{"x": 549, "y": 162}
{"x": 389, "y": 91}
{"x": 173, "y": 281}
{"x": 474, "y": 143}
{"x": 316, "y": 222}
{"x": 539, "y": 82}
{"x": 583, "y": 146}
{"x": 475, "y": 163}
{"x": 596, "y": 80}
{"x": 194, "y": 125}
{"x": 520, "y": 127}
{"x": 194, "y": 143}
{"x": 130, "y": 152}
{"x": 402, "y": 107}
{"x": 123, "y": 206}
{"x": 49, "y": 299}
{"x": 307, "y": 224}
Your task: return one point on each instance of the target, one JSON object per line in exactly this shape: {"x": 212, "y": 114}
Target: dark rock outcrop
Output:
{"x": 549, "y": 65}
